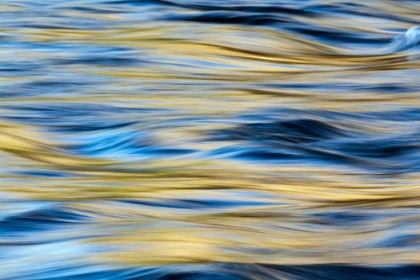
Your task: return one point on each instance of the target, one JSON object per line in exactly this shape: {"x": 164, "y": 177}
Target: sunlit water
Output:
{"x": 209, "y": 139}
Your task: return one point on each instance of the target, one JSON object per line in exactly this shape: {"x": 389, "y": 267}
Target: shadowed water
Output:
{"x": 206, "y": 140}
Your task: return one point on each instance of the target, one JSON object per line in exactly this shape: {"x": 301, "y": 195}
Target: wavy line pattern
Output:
{"x": 157, "y": 140}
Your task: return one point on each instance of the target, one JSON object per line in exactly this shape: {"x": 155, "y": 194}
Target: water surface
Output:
{"x": 209, "y": 139}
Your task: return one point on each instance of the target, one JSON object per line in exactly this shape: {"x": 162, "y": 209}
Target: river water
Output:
{"x": 213, "y": 139}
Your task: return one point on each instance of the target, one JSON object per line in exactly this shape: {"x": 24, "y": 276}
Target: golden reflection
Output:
{"x": 170, "y": 142}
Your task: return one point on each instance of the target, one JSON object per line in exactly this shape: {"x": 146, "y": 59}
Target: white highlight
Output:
{"x": 408, "y": 40}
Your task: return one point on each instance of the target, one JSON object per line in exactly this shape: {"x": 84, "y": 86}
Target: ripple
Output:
{"x": 175, "y": 139}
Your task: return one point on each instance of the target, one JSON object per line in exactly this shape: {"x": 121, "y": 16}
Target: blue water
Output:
{"x": 187, "y": 140}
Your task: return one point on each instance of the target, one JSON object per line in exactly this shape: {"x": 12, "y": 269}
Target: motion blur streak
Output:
{"x": 190, "y": 139}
